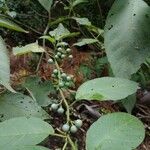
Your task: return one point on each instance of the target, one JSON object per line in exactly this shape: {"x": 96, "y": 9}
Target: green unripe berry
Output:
{"x": 53, "y": 75}
{"x": 63, "y": 56}
{"x": 69, "y": 78}
{"x": 59, "y": 49}
{"x": 73, "y": 129}
{"x": 60, "y": 110}
{"x": 68, "y": 50}
{"x": 67, "y": 84}
{"x": 70, "y": 56}
{"x": 78, "y": 123}
{"x": 54, "y": 106}
{"x": 65, "y": 127}
{"x": 50, "y": 61}
{"x": 55, "y": 71}
{"x": 61, "y": 84}
{"x": 63, "y": 75}
{"x": 56, "y": 56}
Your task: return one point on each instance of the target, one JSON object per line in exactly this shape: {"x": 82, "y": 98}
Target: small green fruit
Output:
{"x": 56, "y": 56}
{"x": 53, "y": 75}
{"x": 68, "y": 50}
{"x": 65, "y": 127}
{"x": 59, "y": 49}
{"x": 63, "y": 75}
{"x": 67, "y": 84}
{"x": 50, "y": 61}
{"x": 54, "y": 106}
{"x": 69, "y": 78}
{"x": 78, "y": 123}
{"x": 55, "y": 71}
{"x": 63, "y": 56}
{"x": 73, "y": 129}
{"x": 60, "y": 110}
{"x": 61, "y": 84}
{"x": 70, "y": 56}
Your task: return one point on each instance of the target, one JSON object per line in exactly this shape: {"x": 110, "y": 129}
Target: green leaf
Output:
{"x": 116, "y": 131}
{"x": 82, "y": 21}
{"x": 46, "y": 4}
{"x": 49, "y": 38}
{"x": 19, "y": 105}
{"x": 127, "y": 36}
{"x": 33, "y": 47}
{"x": 85, "y": 41}
{"x": 129, "y": 102}
{"x": 77, "y": 2}
{"x": 28, "y": 148}
{"x": 23, "y": 132}
{"x": 4, "y": 66}
{"x": 106, "y": 88}
{"x": 40, "y": 90}
{"x": 59, "y": 32}
{"x": 10, "y": 25}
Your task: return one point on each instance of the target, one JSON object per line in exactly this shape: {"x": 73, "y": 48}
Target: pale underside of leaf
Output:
{"x": 127, "y": 36}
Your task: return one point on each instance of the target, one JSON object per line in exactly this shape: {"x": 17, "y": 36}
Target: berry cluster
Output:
{"x": 58, "y": 108}
{"x": 74, "y": 127}
{"x": 64, "y": 80}
{"x": 62, "y": 51}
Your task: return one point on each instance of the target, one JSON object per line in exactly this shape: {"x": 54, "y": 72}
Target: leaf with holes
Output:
{"x": 4, "y": 66}
{"x": 46, "y": 4}
{"x": 116, "y": 131}
{"x": 18, "y": 105}
{"x": 106, "y": 88}
{"x": 40, "y": 90}
{"x": 127, "y": 36}
{"x": 23, "y": 132}
{"x": 10, "y": 25}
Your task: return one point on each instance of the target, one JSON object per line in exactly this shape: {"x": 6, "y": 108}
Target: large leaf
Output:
{"x": 19, "y": 105}
{"x": 106, "y": 88}
{"x": 23, "y": 132}
{"x": 127, "y": 36}
{"x": 116, "y": 131}
{"x": 27, "y": 148}
{"x": 46, "y": 4}
{"x": 10, "y": 25}
{"x": 40, "y": 90}
{"x": 32, "y": 47}
{"x": 4, "y": 66}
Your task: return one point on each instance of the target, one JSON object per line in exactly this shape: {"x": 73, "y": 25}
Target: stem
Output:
{"x": 65, "y": 145}
{"x": 66, "y": 104}
{"x": 71, "y": 143}
{"x": 45, "y": 32}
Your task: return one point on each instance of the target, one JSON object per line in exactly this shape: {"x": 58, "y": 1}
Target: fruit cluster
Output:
{"x": 74, "y": 127}
{"x": 58, "y": 108}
